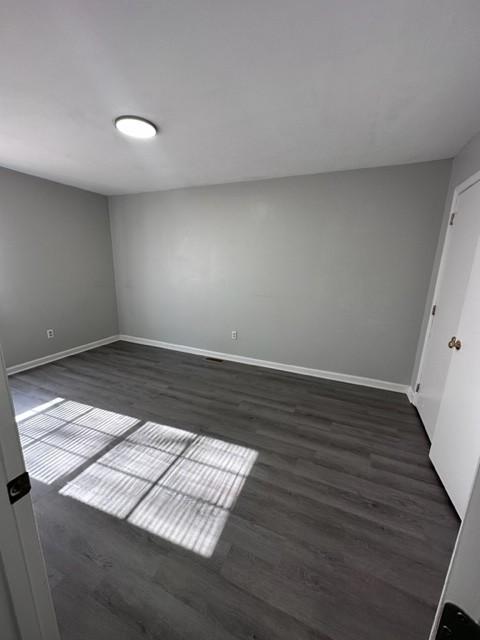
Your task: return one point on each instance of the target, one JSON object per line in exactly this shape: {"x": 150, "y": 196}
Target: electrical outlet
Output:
{"x": 50, "y": 333}
{"x": 234, "y": 335}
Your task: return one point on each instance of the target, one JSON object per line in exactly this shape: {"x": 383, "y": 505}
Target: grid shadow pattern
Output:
{"x": 174, "y": 483}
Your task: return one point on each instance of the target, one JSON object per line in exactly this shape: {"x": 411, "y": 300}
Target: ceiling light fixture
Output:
{"x": 136, "y": 127}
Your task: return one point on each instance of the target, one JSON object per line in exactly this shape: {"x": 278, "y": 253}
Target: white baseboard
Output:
{"x": 31, "y": 364}
{"x": 411, "y": 395}
{"x": 306, "y": 371}
{"x": 291, "y": 368}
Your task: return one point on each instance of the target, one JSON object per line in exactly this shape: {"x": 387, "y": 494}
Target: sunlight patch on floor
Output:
{"x": 111, "y": 491}
{"x": 174, "y": 483}
{"x": 47, "y": 463}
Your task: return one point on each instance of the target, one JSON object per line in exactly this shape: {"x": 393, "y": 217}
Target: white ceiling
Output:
{"x": 242, "y": 89}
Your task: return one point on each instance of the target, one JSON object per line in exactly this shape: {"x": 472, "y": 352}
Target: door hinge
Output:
{"x": 455, "y": 624}
{"x": 18, "y": 487}
{"x": 452, "y": 218}
{"x": 417, "y": 388}
{"x": 434, "y": 309}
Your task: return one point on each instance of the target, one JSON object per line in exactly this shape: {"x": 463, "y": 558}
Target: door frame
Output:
{"x": 459, "y": 189}
{"x": 20, "y": 549}
{"x": 461, "y": 565}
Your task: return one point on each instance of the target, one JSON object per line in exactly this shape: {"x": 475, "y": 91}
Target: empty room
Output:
{"x": 239, "y": 320}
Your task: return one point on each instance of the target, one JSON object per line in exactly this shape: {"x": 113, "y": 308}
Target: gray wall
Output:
{"x": 56, "y": 267}
{"x": 328, "y": 271}
{"x": 465, "y": 164}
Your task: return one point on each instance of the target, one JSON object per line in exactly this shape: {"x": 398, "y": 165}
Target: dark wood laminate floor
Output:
{"x": 335, "y": 526}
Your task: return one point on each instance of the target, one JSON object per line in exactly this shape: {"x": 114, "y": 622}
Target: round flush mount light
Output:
{"x": 136, "y": 127}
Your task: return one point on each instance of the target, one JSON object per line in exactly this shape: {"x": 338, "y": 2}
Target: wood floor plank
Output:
{"x": 339, "y": 531}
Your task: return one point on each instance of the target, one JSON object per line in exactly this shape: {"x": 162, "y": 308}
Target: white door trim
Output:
{"x": 20, "y": 551}
{"x": 459, "y": 189}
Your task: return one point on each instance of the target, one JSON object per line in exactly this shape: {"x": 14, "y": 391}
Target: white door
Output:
{"x": 26, "y": 606}
{"x": 462, "y": 584}
{"x": 455, "y": 448}
{"x": 454, "y": 274}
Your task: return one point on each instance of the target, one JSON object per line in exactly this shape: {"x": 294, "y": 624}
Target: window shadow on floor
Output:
{"x": 174, "y": 483}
